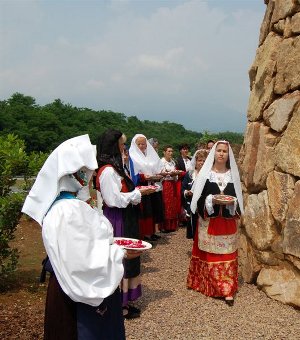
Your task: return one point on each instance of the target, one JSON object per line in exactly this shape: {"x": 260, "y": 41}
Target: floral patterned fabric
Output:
{"x": 211, "y": 274}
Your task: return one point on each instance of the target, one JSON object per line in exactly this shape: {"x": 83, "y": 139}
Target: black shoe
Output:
{"x": 229, "y": 302}
{"x": 157, "y": 236}
{"x": 128, "y": 313}
{"x": 154, "y": 237}
{"x": 134, "y": 309}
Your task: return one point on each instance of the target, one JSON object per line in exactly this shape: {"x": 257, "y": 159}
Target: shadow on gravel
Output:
{"x": 145, "y": 270}
{"x": 151, "y": 295}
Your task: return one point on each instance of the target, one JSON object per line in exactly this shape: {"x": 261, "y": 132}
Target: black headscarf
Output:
{"x": 108, "y": 152}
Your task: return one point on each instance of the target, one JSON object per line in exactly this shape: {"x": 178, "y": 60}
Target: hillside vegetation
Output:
{"x": 45, "y": 127}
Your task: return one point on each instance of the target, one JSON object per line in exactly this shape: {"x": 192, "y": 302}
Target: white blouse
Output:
{"x": 169, "y": 166}
{"x": 110, "y": 188}
{"x": 222, "y": 179}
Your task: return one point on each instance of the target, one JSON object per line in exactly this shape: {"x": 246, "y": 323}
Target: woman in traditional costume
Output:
{"x": 213, "y": 267}
{"x": 187, "y": 183}
{"x": 121, "y": 206}
{"x": 146, "y": 168}
{"x": 157, "y": 199}
{"x": 83, "y": 298}
{"x": 170, "y": 193}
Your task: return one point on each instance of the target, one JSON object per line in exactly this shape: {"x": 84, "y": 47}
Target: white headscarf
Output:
{"x": 204, "y": 175}
{"x": 66, "y": 159}
{"x": 148, "y": 163}
{"x": 77, "y": 239}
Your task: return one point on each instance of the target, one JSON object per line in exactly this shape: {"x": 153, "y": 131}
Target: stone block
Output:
{"x": 287, "y": 151}
{"x": 278, "y": 114}
{"x": 281, "y": 283}
{"x": 291, "y": 233}
{"x": 280, "y": 189}
{"x": 262, "y": 77}
{"x": 283, "y": 9}
{"x": 257, "y": 156}
{"x": 258, "y": 221}
{"x": 287, "y": 66}
{"x": 248, "y": 265}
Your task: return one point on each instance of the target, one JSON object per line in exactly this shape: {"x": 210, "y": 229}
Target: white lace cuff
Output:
{"x": 209, "y": 205}
{"x": 232, "y": 208}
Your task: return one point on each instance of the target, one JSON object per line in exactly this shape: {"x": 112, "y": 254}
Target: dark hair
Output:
{"x": 183, "y": 146}
{"x": 210, "y": 141}
{"x": 168, "y": 146}
{"x": 108, "y": 153}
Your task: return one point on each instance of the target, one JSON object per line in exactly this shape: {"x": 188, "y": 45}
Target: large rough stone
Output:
{"x": 291, "y": 233}
{"x": 288, "y": 66}
{"x": 267, "y": 258}
{"x": 280, "y": 189}
{"x": 294, "y": 260}
{"x": 265, "y": 27}
{"x": 295, "y": 23}
{"x": 287, "y": 152}
{"x": 278, "y": 114}
{"x": 258, "y": 151}
{"x": 248, "y": 265}
{"x": 279, "y": 26}
{"x": 283, "y": 9}
{"x": 282, "y": 284}
{"x": 261, "y": 76}
{"x": 258, "y": 221}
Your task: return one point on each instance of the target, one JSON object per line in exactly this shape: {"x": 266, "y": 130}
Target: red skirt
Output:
{"x": 211, "y": 274}
{"x": 170, "y": 201}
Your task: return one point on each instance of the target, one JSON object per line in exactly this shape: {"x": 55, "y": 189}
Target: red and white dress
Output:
{"x": 170, "y": 197}
{"x": 213, "y": 269}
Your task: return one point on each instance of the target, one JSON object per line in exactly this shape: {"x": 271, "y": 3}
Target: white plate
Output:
{"x": 146, "y": 245}
{"x": 224, "y": 199}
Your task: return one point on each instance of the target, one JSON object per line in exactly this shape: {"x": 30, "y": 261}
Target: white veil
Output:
{"x": 67, "y": 158}
{"x": 204, "y": 175}
{"x": 149, "y": 163}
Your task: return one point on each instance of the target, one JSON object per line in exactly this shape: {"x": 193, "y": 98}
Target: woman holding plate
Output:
{"x": 146, "y": 169}
{"x": 121, "y": 206}
{"x": 217, "y": 196}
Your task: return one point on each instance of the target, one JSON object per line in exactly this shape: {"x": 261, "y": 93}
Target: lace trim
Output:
{"x": 221, "y": 244}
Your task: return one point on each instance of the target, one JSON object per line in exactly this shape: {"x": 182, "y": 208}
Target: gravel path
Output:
{"x": 170, "y": 311}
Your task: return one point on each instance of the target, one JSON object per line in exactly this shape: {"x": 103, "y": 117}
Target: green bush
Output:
{"x": 10, "y": 211}
{"x": 13, "y": 160}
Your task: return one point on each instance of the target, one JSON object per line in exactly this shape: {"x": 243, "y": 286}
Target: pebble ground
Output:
{"x": 171, "y": 311}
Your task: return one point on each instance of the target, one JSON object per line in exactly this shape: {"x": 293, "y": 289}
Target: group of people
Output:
{"x": 94, "y": 283}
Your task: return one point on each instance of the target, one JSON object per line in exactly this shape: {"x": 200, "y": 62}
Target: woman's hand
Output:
{"x": 146, "y": 191}
{"x": 188, "y": 193}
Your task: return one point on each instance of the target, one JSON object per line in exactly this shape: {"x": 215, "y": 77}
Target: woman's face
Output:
{"x": 141, "y": 143}
{"x": 168, "y": 153}
{"x": 199, "y": 163}
{"x": 122, "y": 142}
{"x": 221, "y": 153}
{"x": 125, "y": 156}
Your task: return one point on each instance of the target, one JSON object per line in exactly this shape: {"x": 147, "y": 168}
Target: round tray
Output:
{"x": 131, "y": 243}
{"x": 224, "y": 199}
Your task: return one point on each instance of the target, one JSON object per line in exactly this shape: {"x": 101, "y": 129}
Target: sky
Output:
{"x": 182, "y": 61}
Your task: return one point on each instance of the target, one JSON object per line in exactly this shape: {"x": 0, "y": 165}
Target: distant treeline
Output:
{"x": 43, "y": 128}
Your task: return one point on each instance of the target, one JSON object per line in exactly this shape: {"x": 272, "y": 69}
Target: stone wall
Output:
{"x": 270, "y": 158}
